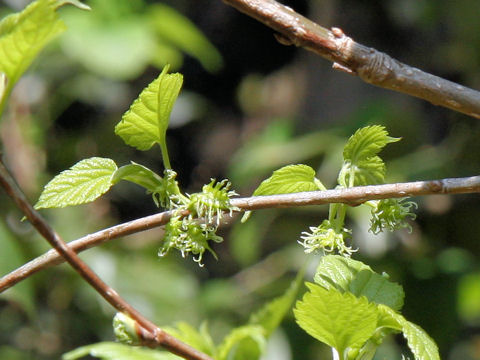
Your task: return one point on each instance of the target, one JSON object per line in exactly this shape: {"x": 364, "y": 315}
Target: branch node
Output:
{"x": 337, "y": 32}
{"x": 340, "y": 67}
{"x": 282, "y": 39}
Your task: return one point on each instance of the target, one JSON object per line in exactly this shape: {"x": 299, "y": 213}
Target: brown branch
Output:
{"x": 351, "y": 196}
{"x": 370, "y": 65}
{"x": 151, "y": 334}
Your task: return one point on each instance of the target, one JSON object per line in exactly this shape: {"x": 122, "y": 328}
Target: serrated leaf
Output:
{"x": 360, "y": 157}
{"x": 289, "y": 179}
{"x": 366, "y": 142}
{"x": 378, "y": 289}
{"x": 146, "y": 122}
{"x": 337, "y": 271}
{"x": 270, "y": 315}
{"x": 23, "y": 35}
{"x": 117, "y": 351}
{"x": 367, "y": 172}
{"x": 139, "y": 175}
{"x": 346, "y": 274}
{"x": 246, "y": 342}
{"x": 422, "y": 346}
{"x": 82, "y": 183}
{"x": 340, "y": 320}
{"x": 198, "y": 339}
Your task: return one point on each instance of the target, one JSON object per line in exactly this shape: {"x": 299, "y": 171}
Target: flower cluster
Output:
{"x": 212, "y": 202}
{"x": 326, "y": 238}
{"x": 190, "y": 234}
{"x": 168, "y": 193}
{"x": 391, "y": 214}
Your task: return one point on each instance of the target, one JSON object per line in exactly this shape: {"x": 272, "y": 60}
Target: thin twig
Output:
{"x": 370, "y": 65}
{"x": 151, "y": 334}
{"x": 351, "y": 196}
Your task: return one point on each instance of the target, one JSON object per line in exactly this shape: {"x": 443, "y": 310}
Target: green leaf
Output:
{"x": 422, "y": 346}
{"x": 345, "y": 274}
{"x": 289, "y": 179}
{"x": 82, "y": 183}
{"x": 22, "y": 36}
{"x": 270, "y": 316}
{"x": 198, "y": 339}
{"x": 116, "y": 351}
{"x": 361, "y": 165}
{"x": 139, "y": 175}
{"x": 366, "y": 142}
{"x": 337, "y": 272}
{"x": 246, "y": 342}
{"x": 146, "y": 122}
{"x": 378, "y": 289}
{"x": 175, "y": 29}
{"x": 341, "y": 321}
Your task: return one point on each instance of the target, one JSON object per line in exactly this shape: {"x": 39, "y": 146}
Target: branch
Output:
{"x": 370, "y": 65}
{"x": 351, "y": 196}
{"x": 150, "y": 334}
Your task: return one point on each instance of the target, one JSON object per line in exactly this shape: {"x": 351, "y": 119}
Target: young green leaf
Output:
{"x": 139, "y": 175}
{"x": 337, "y": 272}
{"x": 82, "y": 183}
{"x": 362, "y": 166}
{"x": 346, "y": 274}
{"x": 340, "y": 320}
{"x": 116, "y": 351}
{"x": 421, "y": 345}
{"x": 246, "y": 342}
{"x": 366, "y": 143}
{"x": 378, "y": 289}
{"x": 146, "y": 122}
{"x": 23, "y": 35}
{"x": 290, "y": 179}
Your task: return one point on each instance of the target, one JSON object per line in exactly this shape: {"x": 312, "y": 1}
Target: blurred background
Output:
{"x": 249, "y": 106}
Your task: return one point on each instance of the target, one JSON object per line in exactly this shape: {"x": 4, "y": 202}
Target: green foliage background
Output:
{"x": 247, "y": 108}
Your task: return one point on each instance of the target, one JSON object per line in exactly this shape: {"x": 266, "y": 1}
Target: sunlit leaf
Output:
{"x": 354, "y": 276}
{"x": 146, "y": 122}
{"x": 82, "y": 183}
{"x": 339, "y": 320}
{"x": 366, "y": 142}
{"x": 361, "y": 165}
{"x": 139, "y": 175}
{"x": 289, "y": 179}
{"x": 421, "y": 345}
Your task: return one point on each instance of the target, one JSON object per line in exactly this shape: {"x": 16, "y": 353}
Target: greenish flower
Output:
{"x": 168, "y": 194}
{"x": 391, "y": 214}
{"x": 189, "y": 237}
{"x": 326, "y": 238}
{"x": 212, "y": 202}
